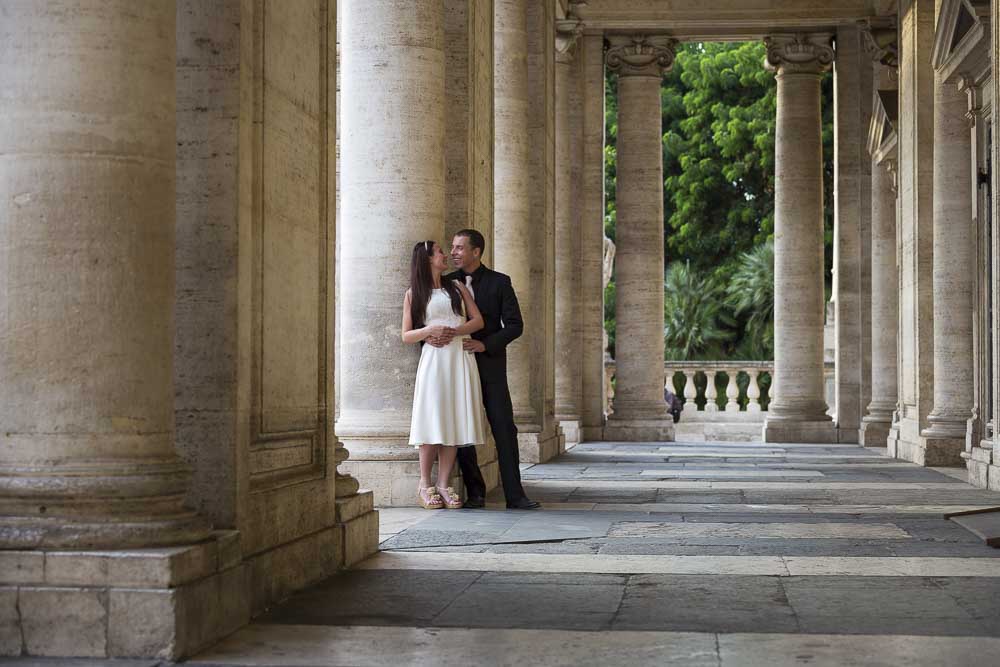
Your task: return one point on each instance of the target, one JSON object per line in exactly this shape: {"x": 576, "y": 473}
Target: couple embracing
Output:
{"x": 465, "y": 320}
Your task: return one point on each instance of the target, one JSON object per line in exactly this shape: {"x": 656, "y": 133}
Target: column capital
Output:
{"x": 568, "y": 31}
{"x": 799, "y": 53}
{"x": 641, "y": 55}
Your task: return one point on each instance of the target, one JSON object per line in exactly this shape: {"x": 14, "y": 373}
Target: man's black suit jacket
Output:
{"x": 501, "y": 317}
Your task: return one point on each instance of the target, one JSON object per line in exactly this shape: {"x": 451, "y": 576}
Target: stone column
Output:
{"x": 798, "y": 412}
{"x": 640, "y": 412}
{"x": 592, "y": 239}
{"x": 885, "y": 309}
{"x": 392, "y": 195}
{"x": 567, "y": 242}
{"x": 852, "y": 109}
{"x": 87, "y": 185}
{"x": 468, "y": 32}
{"x": 512, "y": 247}
{"x": 943, "y": 440}
{"x": 523, "y": 211}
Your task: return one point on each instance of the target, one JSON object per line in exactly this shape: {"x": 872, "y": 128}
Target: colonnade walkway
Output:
{"x": 669, "y": 553}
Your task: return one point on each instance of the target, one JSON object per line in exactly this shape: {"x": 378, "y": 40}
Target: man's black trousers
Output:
{"x": 500, "y": 413}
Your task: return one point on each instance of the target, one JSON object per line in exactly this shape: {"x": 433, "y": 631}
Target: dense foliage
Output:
{"x": 718, "y": 123}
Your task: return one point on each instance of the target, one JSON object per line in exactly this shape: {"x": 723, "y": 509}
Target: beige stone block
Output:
{"x": 10, "y": 631}
{"x": 21, "y": 567}
{"x": 167, "y": 567}
{"x": 981, "y": 454}
{"x": 350, "y": 507}
{"x": 978, "y": 473}
{"x": 143, "y": 623}
{"x": 993, "y": 478}
{"x": 360, "y": 538}
{"x": 63, "y": 622}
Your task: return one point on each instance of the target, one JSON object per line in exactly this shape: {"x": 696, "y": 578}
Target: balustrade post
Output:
{"x": 711, "y": 393}
{"x": 753, "y": 390}
{"x": 690, "y": 392}
{"x": 732, "y": 392}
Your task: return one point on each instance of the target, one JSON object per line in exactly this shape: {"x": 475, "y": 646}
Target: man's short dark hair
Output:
{"x": 476, "y": 239}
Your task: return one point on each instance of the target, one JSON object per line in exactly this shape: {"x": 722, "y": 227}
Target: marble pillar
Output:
{"x": 392, "y": 196}
{"x": 512, "y": 246}
{"x": 876, "y": 423}
{"x": 798, "y": 412}
{"x": 523, "y": 211}
{"x": 640, "y": 411}
{"x": 852, "y": 109}
{"x": 915, "y": 228}
{"x": 943, "y": 440}
{"x": 98, "y": 555}
{"x": 591, "y": 232}
{"x": 568, "y": 367}
{"x": 87, "y": 185}
{"x": 468, "y": 31}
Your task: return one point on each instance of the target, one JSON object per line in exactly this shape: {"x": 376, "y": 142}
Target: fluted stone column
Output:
{"x": 87, "y": 201}
{"x": 569, "y": 368}
{"x": 798, "y": 412}
{"x": 954, "y": 283}
{"x": 885, "y": 309}
{"x": 640, "y": 412}
{"x": 392, "y": 195}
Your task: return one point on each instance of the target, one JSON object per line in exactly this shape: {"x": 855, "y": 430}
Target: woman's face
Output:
{"x": 439, "y": 260}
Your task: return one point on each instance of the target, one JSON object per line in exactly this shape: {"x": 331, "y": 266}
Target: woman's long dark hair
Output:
{"x": 421, "y": 284}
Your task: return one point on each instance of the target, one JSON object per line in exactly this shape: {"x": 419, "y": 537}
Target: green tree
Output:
{"x": 693, "y": 315}
{"x": 750, "y": 296}
{"x": 718, "y": 107}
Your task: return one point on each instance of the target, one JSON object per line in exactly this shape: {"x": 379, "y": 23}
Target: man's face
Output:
{"x": 463, "y": 255}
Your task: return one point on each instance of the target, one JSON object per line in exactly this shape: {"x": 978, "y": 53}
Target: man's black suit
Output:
{"x": 497, "y": 302}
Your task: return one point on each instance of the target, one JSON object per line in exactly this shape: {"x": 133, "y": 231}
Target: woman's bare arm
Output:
{"x": 475, "y": 321}
{"x": 411, "y": 335}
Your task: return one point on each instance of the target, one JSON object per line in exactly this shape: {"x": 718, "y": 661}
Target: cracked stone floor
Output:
{"x": 664, "y": 554}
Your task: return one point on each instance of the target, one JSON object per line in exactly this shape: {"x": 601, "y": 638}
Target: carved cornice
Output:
{"x": 641, "y": 55}
{"x": 800, "y": 53}
{"x": 881, "y": 43}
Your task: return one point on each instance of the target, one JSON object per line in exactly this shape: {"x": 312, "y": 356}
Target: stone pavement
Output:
{"x": 687, "y": 554}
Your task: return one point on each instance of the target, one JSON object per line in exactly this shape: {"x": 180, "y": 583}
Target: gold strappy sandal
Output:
{"x": 429, "y": 498}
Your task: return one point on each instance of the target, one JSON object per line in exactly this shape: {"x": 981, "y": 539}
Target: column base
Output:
{"x": 639, "y": 430}
{"x": 165, "y": 603}
{"x": 541, "y": 447}
{"x": 572, "y": 431}
{"x": 357, "y": 525}
{"x": 932, "y": 450}
{"x": 790, "y": 431}
{"x": 874, "y": 433}
{"x": 393, "y": 483}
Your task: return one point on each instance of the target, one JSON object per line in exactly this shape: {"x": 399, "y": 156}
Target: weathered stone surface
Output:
{"x": 10, "y": 623}
{"x": 64, "y": 621}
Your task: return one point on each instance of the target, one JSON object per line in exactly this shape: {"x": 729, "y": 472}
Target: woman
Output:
{"x": 447, "y": 397}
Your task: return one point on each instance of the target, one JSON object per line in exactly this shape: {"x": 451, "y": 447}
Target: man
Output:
{"x": 497, "y": 302}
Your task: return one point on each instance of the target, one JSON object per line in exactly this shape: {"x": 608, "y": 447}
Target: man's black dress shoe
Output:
{"x": 523, "y": 504}
{"x": 474, "y": 503}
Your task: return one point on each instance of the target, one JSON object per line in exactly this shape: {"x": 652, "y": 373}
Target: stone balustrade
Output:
{"x": 700, "y": 387}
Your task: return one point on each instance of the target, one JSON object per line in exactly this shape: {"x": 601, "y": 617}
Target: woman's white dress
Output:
{"x": 447, "y": 396}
